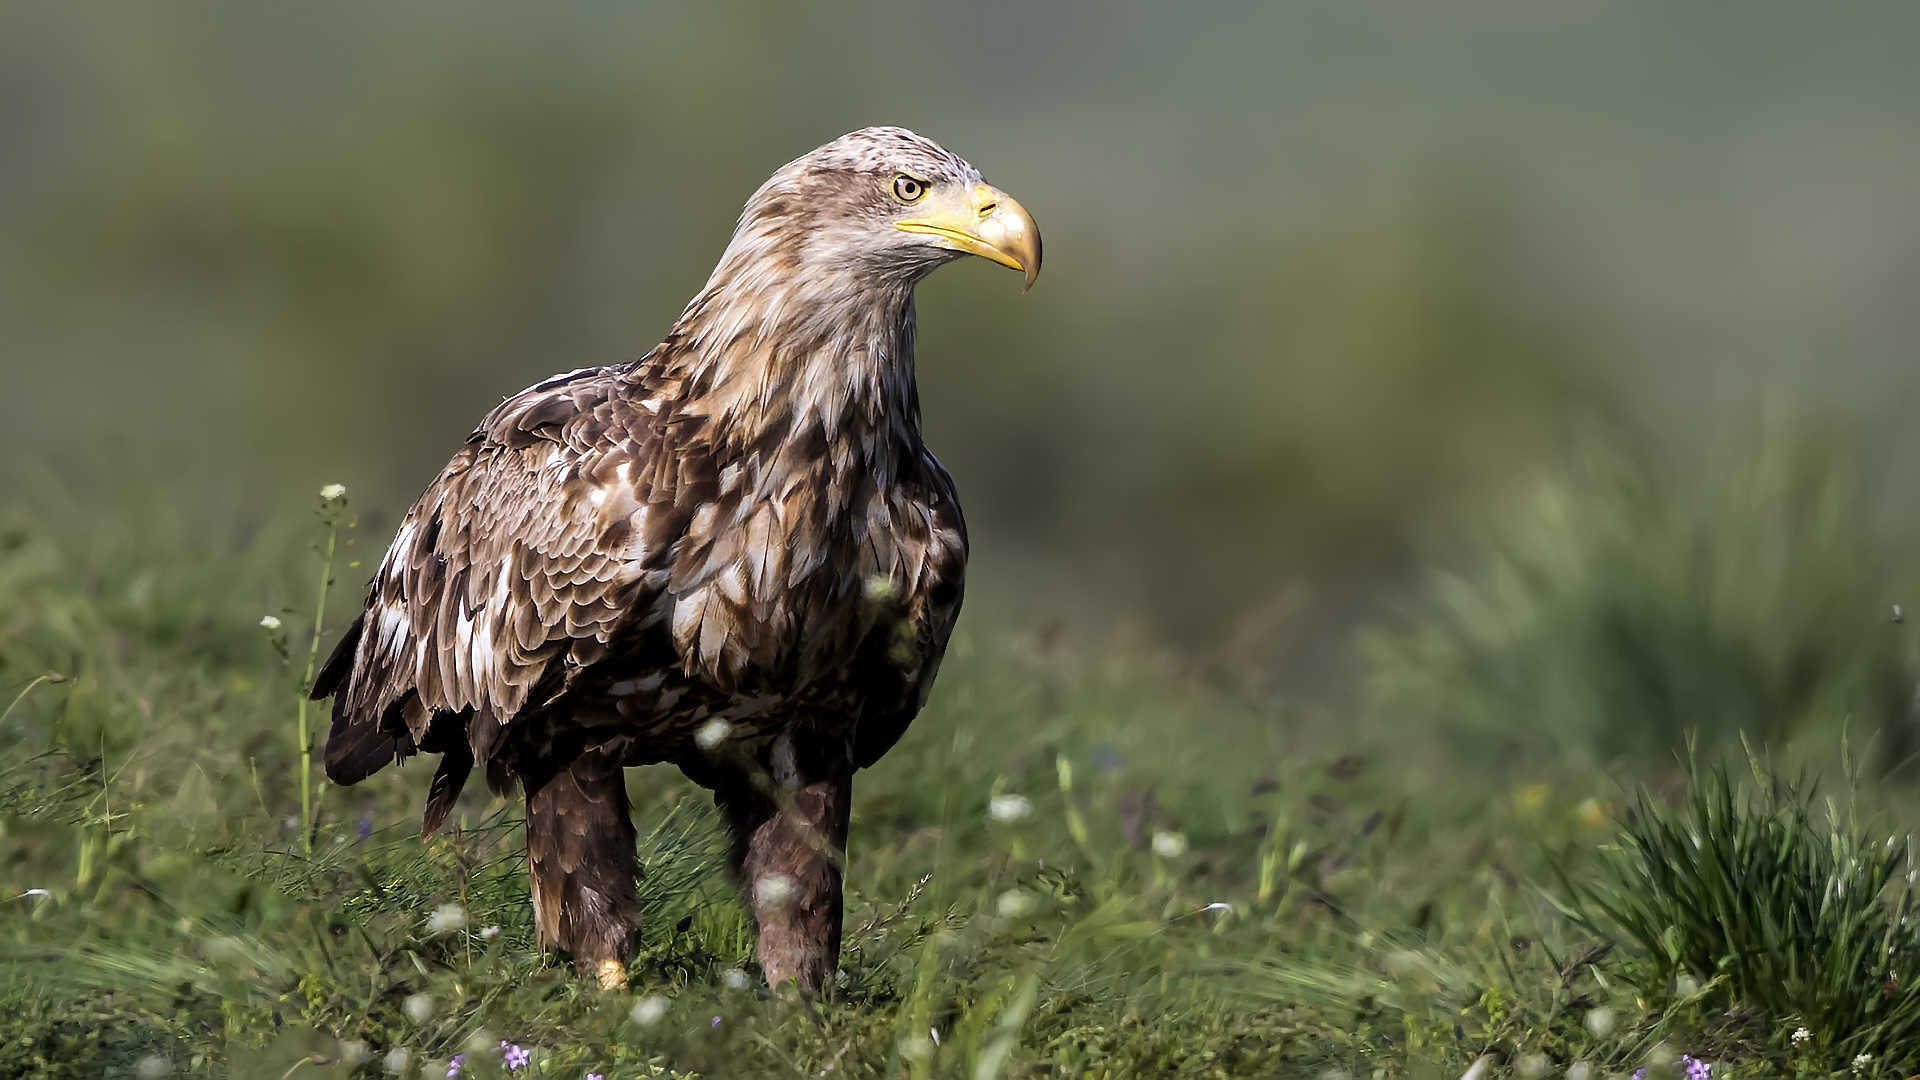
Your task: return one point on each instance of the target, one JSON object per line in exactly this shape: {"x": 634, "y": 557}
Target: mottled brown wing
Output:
{"x": 524, "y": 556}
{"x": 934, "y": 566}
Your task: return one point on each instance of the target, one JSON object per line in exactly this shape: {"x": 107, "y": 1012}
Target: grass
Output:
{"x": 1623, "y": 610}
{"x": 1767, "y": 901}
{"x": 1084, "y": 860}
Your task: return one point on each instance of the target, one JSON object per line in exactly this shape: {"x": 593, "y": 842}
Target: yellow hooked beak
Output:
{"x": 986, "y": 222}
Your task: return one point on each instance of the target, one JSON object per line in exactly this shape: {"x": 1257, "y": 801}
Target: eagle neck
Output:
{"x": 824, "y": 366}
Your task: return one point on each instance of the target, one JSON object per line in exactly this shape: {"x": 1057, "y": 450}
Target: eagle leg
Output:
{"x": 580, "y": 855}
{"x": 790, "y": 840}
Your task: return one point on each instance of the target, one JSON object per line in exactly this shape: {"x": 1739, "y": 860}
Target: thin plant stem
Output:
{"x": 306, "y": 685}
{"x": 50, "y": 677}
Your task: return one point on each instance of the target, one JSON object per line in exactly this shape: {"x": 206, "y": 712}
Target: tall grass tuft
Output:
{"x": 1771, "y": 903}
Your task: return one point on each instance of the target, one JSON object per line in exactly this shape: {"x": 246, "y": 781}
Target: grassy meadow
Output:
{"x": 1086, "y": 859}
{"x": 1384, "y": 655}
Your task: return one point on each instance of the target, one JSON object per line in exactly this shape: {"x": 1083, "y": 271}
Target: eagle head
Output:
{"x": 883, "y": 204}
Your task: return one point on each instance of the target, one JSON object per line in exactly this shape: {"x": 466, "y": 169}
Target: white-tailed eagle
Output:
{"x": 734, "y": 554}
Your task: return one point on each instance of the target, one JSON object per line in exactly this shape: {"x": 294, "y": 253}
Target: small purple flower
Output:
{"x": 453, "y": 1067}
{"x": 516, "y": 1058}
{"x": 366, "y": 827}
{"x": 596, "y": 1076}
{"x": 1639, "y": 1074}
{"x": 716, "y": 1022}
{"x": 1696, "y": 1069}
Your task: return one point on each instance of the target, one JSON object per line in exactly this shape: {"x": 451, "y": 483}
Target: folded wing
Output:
{"x": 519, "y": 562}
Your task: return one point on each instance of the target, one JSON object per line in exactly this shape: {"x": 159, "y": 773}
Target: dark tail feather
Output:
{"x": 455, "y": 763}
{"x": 333, "y": 674}
{"x": 358, "y": 747}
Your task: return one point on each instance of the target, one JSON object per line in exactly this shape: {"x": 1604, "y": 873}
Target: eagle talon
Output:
{"x": 612, "y": 975}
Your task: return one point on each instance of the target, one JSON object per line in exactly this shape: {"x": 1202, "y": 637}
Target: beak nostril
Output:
{"x": 988, "y": 208}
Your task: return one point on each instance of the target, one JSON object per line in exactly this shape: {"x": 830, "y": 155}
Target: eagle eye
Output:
{"x": 908, "y": 189}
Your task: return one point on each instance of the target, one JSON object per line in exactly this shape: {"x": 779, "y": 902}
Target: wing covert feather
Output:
{"x": 528, "y": 540}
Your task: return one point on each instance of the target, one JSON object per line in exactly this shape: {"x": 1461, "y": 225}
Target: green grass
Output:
{"x": 1622, "y": 612}
{"x": 1767, "y": 901}
{"x": 1204, "y": 883}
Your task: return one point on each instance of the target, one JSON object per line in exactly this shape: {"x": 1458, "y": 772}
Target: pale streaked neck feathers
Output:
{"x": 804, "y": 323}
{"x": 763, "y": 348}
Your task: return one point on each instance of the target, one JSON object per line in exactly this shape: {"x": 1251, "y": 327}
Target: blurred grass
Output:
{"x": 1629, "y": 604}
{"x": 1206, "y": 881}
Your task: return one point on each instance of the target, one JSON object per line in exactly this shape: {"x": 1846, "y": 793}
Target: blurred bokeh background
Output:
{"x": 1326, "y": 284}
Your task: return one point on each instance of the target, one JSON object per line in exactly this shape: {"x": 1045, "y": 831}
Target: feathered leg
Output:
{"x": 580, "y": 855}
{"x": 790, "y": 842}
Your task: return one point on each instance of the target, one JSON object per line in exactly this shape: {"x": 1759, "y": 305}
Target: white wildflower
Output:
{"x": 1600, "y": 1021}
{"x": 418, "y": 1007}
{"x": 1533, "y": 1065}
{"x": 271, "y": 622}
{"x": 1580, "y": 1070}
{"x": 398, "y": 1059}
{"x": 226, "y": 951}
{"x": 1686, "y": 986}
{"x": 772, "y": 889}
{"x": 1015, "y": 903}
{"x": 352, "y": 1051}
{"x": 1861, "y": 1061}
{"x": 1402, "y": 963}
{"x": 1169, "y": 845}
{"x": 333, "y": 491}
{"x": 152, "y": 1067}
{"x": 712, "y": 733}
{"x": 1008, "y": 808}
{"x": 649, "y": 1010}
{"x": 489, "y": 931}
{"x": 733, "y": 979}
{"x": 447, "y": 918}
{"x": 1801, "y": 1035}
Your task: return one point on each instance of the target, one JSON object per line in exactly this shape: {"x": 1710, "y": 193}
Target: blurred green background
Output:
{"x": 1323, "y": 281}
